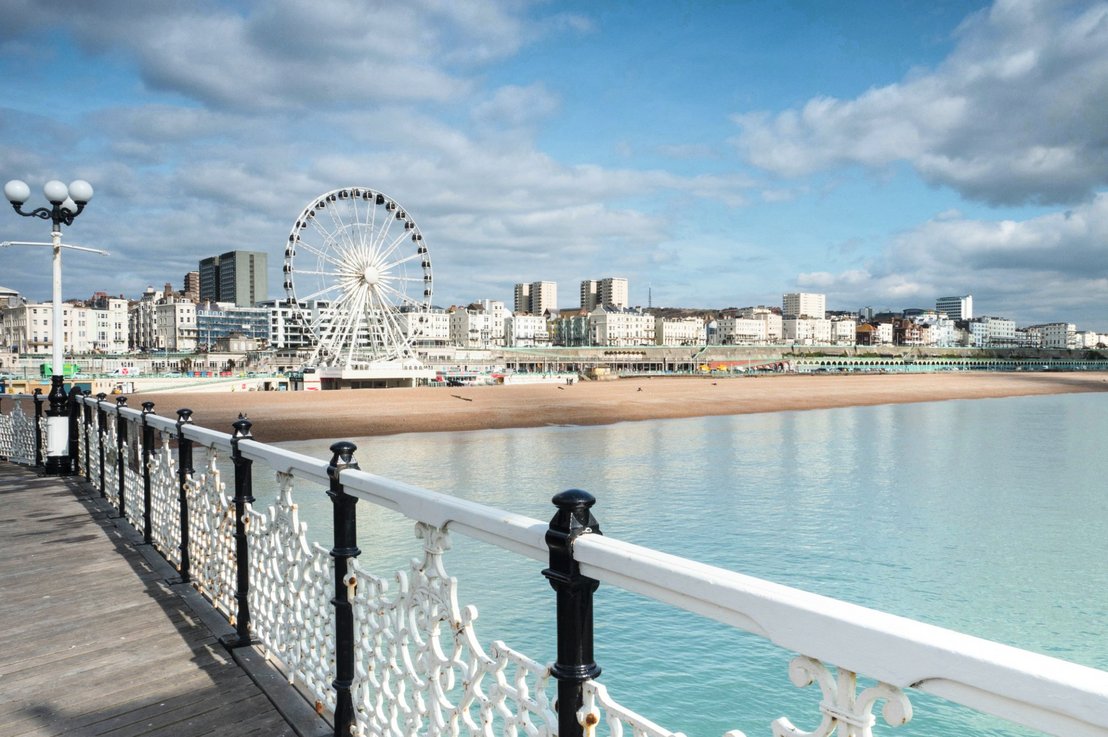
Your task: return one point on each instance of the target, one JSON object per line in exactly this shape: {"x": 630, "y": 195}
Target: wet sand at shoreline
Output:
{"x": 278, "y": 416}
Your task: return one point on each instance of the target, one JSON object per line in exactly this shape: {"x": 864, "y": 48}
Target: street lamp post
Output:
{"x": 66, "y": 203}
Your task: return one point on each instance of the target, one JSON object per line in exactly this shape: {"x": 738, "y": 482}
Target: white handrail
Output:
{"x": 1027, "y": 688}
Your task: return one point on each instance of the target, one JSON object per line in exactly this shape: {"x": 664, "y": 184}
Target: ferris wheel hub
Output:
{"x": 370, "y": 275}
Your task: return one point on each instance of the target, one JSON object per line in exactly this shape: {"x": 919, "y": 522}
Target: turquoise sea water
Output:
{"x": 987, "y": 516}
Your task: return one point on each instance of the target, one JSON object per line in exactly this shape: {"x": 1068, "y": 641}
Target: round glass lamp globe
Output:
{"x": 80, "y": 190}
{"x": 55, "y": 191}
{"x": 69, "y": 205}
{"x": 17, "y": 191}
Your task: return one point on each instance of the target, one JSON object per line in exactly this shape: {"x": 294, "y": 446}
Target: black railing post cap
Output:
{"x": 37, "y": 392}
{"x": 242, "y": 427}
{"x": 148, "y": 408}
{"x": 184, "y": 417}
{"x": 342, "y": 456}
{"x": 101, "y": 396}
{"x": 121, "y": 401}
{"x": 573, "y": 499}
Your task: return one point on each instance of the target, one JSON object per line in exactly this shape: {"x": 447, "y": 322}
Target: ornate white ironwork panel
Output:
{"x": 82, "y": 444}
{"x": 6, "y": 431}
{"x": 132, "y": 474}
{"x": 111, "y": 463}
{"x": 211, "y": 537}
{"x": 845, "y": 712}
{"x": 291, "y": 583}
{"x": 22, "y": 428}
{"x": 599, "y": 705}
{"x": 420, "y": 668}
{"x": 165, "y": 509}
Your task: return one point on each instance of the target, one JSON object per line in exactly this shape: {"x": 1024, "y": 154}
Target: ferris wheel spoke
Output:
{"x": 389, "y": 289}
{"x": 323, "y": 254}
{"x": 327, "y": 235}
{"x": 394, "y": 245}
{"x": 381, "y": 234}
{"x": 406, "y": 259}
{"x": 342, "y": 237}
{"x": 317, "y": 294}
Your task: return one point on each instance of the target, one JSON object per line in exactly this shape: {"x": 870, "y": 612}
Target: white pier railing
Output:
{"x": 396, "y": 653}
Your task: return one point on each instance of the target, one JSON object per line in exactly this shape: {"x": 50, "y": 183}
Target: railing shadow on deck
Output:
{"x": 68, "y": 679}
{"x": 379, "y": 661}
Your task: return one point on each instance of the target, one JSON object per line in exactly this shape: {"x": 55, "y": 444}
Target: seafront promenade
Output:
{"x": 96, "y": 640}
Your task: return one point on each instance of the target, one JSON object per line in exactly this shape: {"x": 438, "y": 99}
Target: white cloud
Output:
{"x": 1015, "y": 114}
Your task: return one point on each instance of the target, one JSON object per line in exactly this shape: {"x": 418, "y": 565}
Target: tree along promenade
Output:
{"x": 377, "y": 659}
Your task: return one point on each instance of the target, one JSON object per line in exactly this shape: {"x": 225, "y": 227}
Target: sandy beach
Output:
{"x": 281, "y": 416}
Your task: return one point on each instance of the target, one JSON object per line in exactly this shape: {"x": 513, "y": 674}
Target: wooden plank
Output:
{"x": 92, "y": 639}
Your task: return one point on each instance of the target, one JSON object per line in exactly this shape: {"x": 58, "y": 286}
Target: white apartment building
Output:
{"x": 608, "y": 292}
{"x": 939, "y": 331}
{"x": 286, "y": 328}
{"x": 28, "y": 327}
{"x": 1056, "y": 334}
{"x": 536, "y": 298}
{"x": 804, "y": 304}
{"x": 773, "y": 330}
{"x": 992, "y": 332}
{"x": 608, "y": 326}
{"x": 844, "y": 331}
{"x": 806, "y": 331}
{"x": 426, "y": 329}
{"x": 175, "y": 326}
{"x": 956, "y": 308}
{"x": 477, "y": 328}
{"x": 680, "y": 331}
{"x": 742, "y": 331}
{"x": 1088, "y": 339}
{"x": 526, "y": 331}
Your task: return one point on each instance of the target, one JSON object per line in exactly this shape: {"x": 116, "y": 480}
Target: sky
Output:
{"x": 717, "y": 154}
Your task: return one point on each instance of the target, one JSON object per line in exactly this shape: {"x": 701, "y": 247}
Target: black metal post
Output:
{"x": 121, "y": 452}
{"x": 184, "y": 471}
{"x": 147, "y": 449}
{"x": 244, "y": 494}
{"x": 101, "y": 432}
{"x": 56, "y": 422}
{"x": 88, "y": 439}
{"x": 75, "y": 395}
{"x": 575, "y": 663}
{"x": 38, "y": 428}
{"x": 346, "y": 547}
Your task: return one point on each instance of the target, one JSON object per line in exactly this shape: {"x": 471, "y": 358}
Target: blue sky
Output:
{"x": 719, "y": 153}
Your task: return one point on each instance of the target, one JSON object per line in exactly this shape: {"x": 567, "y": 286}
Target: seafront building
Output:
{"x": 607, "y": 292}
{"x": 96, "y": 326}
{"x": 1056, "y": 334}
{"x": 236, "y": 276}
{"x": 680, "y": 331}
{"x": 804, "y": 305}
{"x": 956, "y": 308}
{"x": 536, "y": 298}
{"x": 217, "y": 321}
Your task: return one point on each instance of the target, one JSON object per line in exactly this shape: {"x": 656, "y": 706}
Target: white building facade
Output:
{"x": 680, "y": 331}
{"x": 609, "y": 327}
{"x": 806, "y": 331}
{"x": 804, "y": 304}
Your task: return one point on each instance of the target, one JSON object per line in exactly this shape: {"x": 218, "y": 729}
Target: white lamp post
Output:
{"x": 66, "y": 203}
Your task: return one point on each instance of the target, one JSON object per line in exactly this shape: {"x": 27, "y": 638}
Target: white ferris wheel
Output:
{"x": 358, "y": 275}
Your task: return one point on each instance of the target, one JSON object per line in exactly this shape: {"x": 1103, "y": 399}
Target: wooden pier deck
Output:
{"x": 94, "y": 641}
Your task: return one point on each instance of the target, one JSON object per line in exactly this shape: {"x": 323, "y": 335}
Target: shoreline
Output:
{"x": 337, "y": 415}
